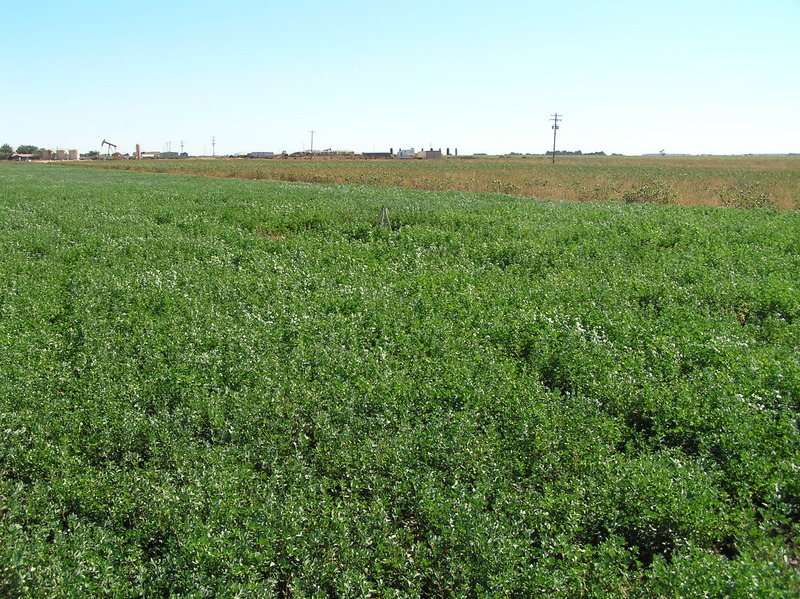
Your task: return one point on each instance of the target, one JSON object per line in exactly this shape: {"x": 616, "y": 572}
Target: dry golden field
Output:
{"x": 739, "y": 181}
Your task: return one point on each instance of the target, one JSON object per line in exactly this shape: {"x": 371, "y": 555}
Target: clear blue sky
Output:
{"x": 632, "y": 77}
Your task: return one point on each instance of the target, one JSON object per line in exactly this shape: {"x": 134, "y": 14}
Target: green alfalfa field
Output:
{"x": 233, "y": 388}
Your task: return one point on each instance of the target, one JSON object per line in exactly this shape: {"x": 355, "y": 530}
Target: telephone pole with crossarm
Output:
{"x": 555, "y": 120}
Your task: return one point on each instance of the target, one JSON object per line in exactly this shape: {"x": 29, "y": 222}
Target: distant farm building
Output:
{"x": 429, "y": 154}
{"x": 422, "y": 154}
{"x": 406, "y": 154}
{"x": 260, "y": 155}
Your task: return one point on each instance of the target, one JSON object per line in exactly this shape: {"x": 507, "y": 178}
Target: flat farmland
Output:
{"x": 221, "y": 387}
{"x": 738, "y": 181}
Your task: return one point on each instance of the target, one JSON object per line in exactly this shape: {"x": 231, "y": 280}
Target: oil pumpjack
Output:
{"x": 110, "y": 145}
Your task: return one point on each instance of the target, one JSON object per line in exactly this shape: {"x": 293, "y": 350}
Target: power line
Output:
{"x": 555, "y": 120}
{"x": 213, "y": 144}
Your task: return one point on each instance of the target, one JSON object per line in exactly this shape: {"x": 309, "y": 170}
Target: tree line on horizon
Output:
{"x": 7, "y": 151}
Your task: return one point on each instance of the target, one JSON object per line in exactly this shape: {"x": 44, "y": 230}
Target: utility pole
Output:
{"x": 213, "y": 144}
{"x": 555, "y": 120}
{"x": 312, "y": 144}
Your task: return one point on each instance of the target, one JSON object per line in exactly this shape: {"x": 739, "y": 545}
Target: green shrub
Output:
{"x": 745, "y": 195}
{"x": 652, "y": 192}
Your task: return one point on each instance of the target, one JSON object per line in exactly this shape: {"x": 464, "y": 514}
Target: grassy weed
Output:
{"x": 739, "y": 181}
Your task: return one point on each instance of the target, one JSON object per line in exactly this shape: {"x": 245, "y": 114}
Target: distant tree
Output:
{"x": 6, "y": 151}
{"x": 26, "y": 149}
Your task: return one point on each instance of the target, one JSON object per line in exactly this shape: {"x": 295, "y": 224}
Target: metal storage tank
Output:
{"x": 73, "y": 155}
{"x": 61, "y": 154}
